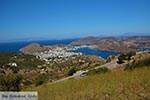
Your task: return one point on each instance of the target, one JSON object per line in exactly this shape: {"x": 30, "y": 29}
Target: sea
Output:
{"x": 101, "y": 53}
{"x": 16, "y": 46}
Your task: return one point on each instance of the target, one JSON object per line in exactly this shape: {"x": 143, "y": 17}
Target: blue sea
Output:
{"x": 102, "y": 53}
{"x": 16, "y": 46}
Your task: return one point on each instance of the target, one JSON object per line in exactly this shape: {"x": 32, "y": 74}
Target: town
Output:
{"x": 60, "y": 53}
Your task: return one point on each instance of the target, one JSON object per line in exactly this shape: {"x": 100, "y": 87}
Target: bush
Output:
{"x": 98, "y": 71}
{"x": 72, "y": 71}
{"x": 2, "y": 72}
{"x": 27, "y": 82}
{"x": 131, "y": 53}
{"x": 122, "y": 57}
{"x": 137, "y": 64}
{"x": 126, "y": 56}
{"x": 40, "y": 80}
{"x": 10, "y": 82}
{"x": 14, "y": 69}
{"x": 120, "y": 61}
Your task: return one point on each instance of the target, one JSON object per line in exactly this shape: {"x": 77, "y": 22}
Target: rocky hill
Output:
{"x": 32, "y": 48}
{"x": 115, "y": 43}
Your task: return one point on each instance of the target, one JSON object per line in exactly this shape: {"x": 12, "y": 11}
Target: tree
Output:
{"x": 120, "y": 61}
{"x": 126, "y": 56}
{"x": 72, "y": 71}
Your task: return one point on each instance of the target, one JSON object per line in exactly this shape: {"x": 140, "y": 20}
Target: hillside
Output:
{"x": 130, "y": 83}
{"x": 32, "y": 48}
{"x": 115, "y": 43}
{"x": 30, "y": 68}
{"x": 124, "y": 85}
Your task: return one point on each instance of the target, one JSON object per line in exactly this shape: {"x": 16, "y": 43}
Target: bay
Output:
{"x": 16, "y": 46}
{"x": 102, "y": 53}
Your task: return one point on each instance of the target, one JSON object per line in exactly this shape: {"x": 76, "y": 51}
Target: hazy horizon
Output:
{"x": 65, "y": 19}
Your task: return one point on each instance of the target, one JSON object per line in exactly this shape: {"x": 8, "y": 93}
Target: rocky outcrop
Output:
{"x": 32, "y": 48}
{"x": 35, "y": 48}
{"x": 111, "y": 58}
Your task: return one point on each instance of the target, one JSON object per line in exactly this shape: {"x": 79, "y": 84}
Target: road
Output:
{"x": 63, "y": 79}
{"x": 77, "y": 75}
{"x": 109, "y": 65}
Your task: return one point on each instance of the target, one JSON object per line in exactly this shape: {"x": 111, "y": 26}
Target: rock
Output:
{"x": 110, "y": 58}
{"x": 39, "y": 66}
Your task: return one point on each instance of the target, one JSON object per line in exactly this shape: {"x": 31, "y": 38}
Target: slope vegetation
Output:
{"x": 123, "y": 85}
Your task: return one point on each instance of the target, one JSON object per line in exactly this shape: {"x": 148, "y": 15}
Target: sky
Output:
{"x": 60, "y": 19}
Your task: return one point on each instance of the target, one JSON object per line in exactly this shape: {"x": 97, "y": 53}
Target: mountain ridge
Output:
{"x": 116, "y": 44}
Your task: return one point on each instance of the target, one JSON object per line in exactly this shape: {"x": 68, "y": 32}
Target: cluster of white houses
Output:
{"x": 55, "y": 54}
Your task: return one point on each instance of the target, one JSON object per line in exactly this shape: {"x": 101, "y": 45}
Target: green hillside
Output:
{"x": 123, "y": 85}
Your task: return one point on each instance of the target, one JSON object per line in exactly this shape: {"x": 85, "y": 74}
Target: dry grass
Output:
{"x": 125, "y": 85}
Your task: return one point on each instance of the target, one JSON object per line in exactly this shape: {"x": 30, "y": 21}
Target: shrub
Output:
{"x": 10, "y": 82}
{"x": 98, "y": 71}
{"x": 137, "y": 64}
{"x": 40, "y": 79}
{"x": 2, "y": 72}
{"x": 126, "y": 56}
{"x": 120, "y": 61}
{"x": 129, "y": 55}
{"x": 122, "y": 57}
{"x": 72, "y": 71}
{"x": 27, "y": 82}
{"x": 14, "y": 69}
